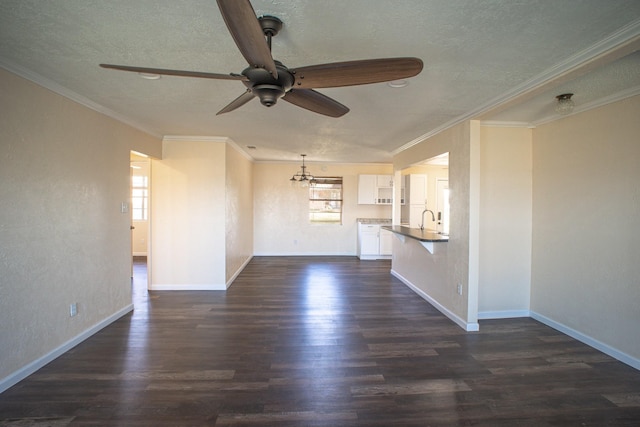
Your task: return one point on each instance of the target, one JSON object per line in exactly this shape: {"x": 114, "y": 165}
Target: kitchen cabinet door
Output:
{"x": 384, "y": 181}
{"x": 367, "y": 189}
{"x": 386, "y": 242}
{"x": 369, "y": 239}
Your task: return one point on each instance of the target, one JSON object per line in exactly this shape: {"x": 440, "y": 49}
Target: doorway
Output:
{"x": 442, "y": 205}
{"x": 140, "y": 220}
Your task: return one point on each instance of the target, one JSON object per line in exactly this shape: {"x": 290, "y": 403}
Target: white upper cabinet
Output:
{"x": 417, "y": 184}
{"x": 367, "y": 189}
{"x": 375, "y": 189}
{"x": 384, "y": 181}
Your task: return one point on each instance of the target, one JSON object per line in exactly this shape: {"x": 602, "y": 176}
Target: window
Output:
{"x": 139, "y": 197}
{"x": 325, "y": 200}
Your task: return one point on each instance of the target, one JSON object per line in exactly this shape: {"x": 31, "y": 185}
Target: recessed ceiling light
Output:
{"x": 398, "y": 83}
{"x": 149, "y": 76}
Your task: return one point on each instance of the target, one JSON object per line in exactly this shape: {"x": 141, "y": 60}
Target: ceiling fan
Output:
{"x": 270, "y": 80}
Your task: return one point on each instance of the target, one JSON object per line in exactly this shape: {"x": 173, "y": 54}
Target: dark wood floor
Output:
{"x": 322, "y": 341}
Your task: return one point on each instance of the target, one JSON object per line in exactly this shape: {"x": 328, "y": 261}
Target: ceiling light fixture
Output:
{"x": 564, "y": 104}
{"x": 302, "y": 177}
{"x": 150, "y": 76}
{"x": 398, "y": 83}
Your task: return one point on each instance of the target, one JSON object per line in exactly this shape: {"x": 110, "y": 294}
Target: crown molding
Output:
{"x": 506, "y": 124}
{"x": 620, "y": 40}
{"x": 243, "y": 153}
{"x": 73, "y": 96}
{"x": 195, "y": 138}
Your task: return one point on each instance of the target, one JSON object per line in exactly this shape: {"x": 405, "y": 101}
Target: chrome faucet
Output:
{"x": 433, "y": 217}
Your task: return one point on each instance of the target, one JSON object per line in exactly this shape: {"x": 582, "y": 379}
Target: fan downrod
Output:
{"x": 271, "y": 26}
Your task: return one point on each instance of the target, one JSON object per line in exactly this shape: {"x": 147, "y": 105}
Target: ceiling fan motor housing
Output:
{"x": 265, "y": 87}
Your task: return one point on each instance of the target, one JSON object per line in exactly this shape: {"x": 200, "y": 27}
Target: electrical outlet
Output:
{"x": 459, "y": 288}
{"x": 73, "y": 309}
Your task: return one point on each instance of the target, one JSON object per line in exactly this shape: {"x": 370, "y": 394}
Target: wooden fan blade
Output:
{"x": 353, "y": 73}
{"x": 180, "y": 73}
{"x": 237, "y": 103}
{"x": 246, "y": 31}
{"x": 316, "y": 102}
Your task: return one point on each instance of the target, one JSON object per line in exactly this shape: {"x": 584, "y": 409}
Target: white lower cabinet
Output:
{"x": 373, "y": 242}
{"x": 386, "y": 238}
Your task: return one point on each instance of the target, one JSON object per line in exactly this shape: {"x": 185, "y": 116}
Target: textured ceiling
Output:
{"x": 488, "y": 59}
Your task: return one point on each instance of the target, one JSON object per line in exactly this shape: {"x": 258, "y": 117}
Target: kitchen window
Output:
{"x": 325, "y": 200}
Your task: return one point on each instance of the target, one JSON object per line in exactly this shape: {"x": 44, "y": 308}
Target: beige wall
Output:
{"x": 586, "y": 225}
{"x": 505, "y": 222}
{"x": 239, "y": 212}
{"x": 457, "y": 261}
{"x": 64, "y": 173}
{"x": 188, "y": 215}
{"x": 281, "y": 213}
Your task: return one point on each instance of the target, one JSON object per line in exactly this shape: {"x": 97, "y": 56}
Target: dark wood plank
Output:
{"x": 320, "y": 341}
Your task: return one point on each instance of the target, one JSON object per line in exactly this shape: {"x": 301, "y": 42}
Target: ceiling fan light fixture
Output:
{"x": 268, "y": 94}
{"x": 564, "y": 104}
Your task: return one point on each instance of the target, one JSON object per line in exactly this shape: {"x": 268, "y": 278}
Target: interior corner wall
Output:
{"x": 239, "y": 212}
{"x": 188, "y": 216}
{"x": 505, "y": 222}
{"x": 442, "y": 287}
{"x": 586, "y": 225}
{"x": 64, "y": 174}
{"x": 281, "y": 213}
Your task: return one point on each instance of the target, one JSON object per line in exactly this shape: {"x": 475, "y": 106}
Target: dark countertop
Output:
{"x": 416, "y": 233}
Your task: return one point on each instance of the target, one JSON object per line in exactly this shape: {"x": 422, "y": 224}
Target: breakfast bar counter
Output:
{"x": 427, "y": 238}
{"x": 416, "y": 233}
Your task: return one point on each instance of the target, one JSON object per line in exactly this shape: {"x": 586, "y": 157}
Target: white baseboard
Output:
{"x": 235, "y": 275}
{"x": 592, "y": 342}
{"x": 189, "y": 287}
{"x": 373, "y": 257}
{"x": 503, "y": 314}
{"x": 32, "y": 367}
{"x": 301, "y": 254}
{"x": 467, "y": 326}
{"x": 201, "y": 287}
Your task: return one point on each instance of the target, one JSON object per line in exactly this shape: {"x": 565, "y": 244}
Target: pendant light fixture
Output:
{"x": 302, "y": 177}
